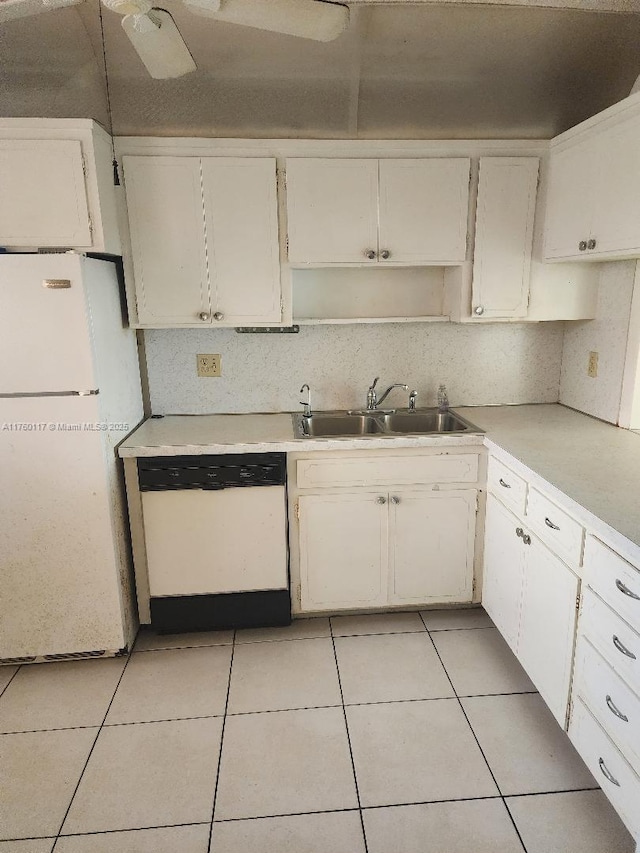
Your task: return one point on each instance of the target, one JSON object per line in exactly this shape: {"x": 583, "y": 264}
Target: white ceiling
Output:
{"x": 402, "y": 70}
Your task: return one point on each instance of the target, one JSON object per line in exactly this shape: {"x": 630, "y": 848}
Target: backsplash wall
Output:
{"x": 481, "y": 365}
{"x": 606, "y": 335}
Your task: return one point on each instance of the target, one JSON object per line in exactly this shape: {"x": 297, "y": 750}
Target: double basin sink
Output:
{"x": 379, "y": 424}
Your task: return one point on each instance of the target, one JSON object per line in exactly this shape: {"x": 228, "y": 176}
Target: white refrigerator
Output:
{"x": 69, "y": 394}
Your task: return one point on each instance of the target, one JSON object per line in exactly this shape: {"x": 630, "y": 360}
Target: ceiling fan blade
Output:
{"x": 159, "y": 45}
{"x": 12, "y": 9}
{"x": 311, "y": 19}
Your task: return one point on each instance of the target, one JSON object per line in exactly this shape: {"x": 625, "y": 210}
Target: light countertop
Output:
{"x": 593, "y": 464}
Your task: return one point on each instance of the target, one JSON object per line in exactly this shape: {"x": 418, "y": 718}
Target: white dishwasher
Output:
{"x": 216, "y": 538}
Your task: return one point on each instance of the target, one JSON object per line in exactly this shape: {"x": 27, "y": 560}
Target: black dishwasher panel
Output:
{"x": 230, "y": 470}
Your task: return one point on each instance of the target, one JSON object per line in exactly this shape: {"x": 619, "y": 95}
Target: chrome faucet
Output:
{"x": 307, "y": 403}
{"x": 412, "y": 401}
{"x": 372, "y": 398}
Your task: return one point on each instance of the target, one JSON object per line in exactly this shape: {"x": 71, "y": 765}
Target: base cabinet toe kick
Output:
{"x": 569, "y": 606}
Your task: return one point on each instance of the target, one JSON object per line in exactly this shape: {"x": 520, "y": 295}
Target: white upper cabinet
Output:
{"x": 57, "y": 186}
{"x": 507, "y": 192}
{"x": 423, "y": 209}
{"x": 204, "y": 240}
{"x": 241, "y": 219}
{"x": 166, "y": 220}
{"x": 332, "y": 211}
{"x": 377, "y": 212}
{"x": 593, "y": 207}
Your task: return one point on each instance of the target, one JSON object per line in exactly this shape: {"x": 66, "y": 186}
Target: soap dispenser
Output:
{"x": 443, "y": 399}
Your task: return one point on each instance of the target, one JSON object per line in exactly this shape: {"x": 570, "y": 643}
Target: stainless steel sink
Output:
{"x": 326, "y": 424}
{"x": 345, "y": 424}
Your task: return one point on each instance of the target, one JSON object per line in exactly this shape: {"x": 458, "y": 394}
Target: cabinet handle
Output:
{"x": 395, "y": 499}
{"x": 622, "y": 648}
{"x": 616, "y": 711}
{"x": 526, "y": 539}
{"x": 519, "y": 532}
{"x": 385, "y": 254}
{"x": 369, "y": 253}
{"x": 502, "y": 483}
{"x": 381, "y": 500}
{"x": 204, "y": 316}
{"x": 551, "y": 524}
{"x": 591, "y": 244}
{"x": 626, "y": 591}
{"x": 479, "y": 310}
{"x": 606, "y": 773}
{"x": 582, "y": 245}
{"x": 218, "y": 316}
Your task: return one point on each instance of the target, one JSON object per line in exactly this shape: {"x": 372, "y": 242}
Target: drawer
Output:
{"x": 556, "y": 529}
{"x": 387, "y": 471}
{"x": 613, "y": 638}
{"x": 612, "y": 703}
{"x": 507, "y": 486}
{"x": 615, "y": 580}
{"x": 606, "y": 763}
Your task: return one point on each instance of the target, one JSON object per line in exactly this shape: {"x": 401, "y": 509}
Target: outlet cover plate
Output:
{"x": 209, "y": 364}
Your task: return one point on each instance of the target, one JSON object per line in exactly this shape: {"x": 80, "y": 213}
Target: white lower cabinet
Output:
{"x": 368, "y": 543}
{"x": 343, "y": 546}
{"x": 531, "y": 596}
{"x": 431, "y": 545}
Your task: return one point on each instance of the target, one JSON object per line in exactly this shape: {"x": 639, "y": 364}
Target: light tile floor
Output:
{"x": 398, "y": 733}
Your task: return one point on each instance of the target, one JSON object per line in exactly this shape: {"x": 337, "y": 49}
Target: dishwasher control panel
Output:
{"x": 227, "y": 471}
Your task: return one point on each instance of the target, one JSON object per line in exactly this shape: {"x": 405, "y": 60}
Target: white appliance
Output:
{"x": 69, "y": 393}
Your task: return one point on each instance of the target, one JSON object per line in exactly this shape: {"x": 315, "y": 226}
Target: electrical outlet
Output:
{"x": 209, "y": 364}
{"x": 592, "y": 368}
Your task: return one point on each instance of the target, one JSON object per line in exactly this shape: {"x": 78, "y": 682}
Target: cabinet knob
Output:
{"x": 218, "y": 316}
{"x": 395, "y": 499}
{"x": 204, "y": 316}
{"x": 591, "y": 244}
{"x": 381, "y": 500}
{"x": 519, "y": 532}
{"x": 385, "y": 254}
{"x": 479, "y": 310}
{"x": 369, "y": 253}
{"x": 582, "y": 245}
{"x": 526, "y": 539}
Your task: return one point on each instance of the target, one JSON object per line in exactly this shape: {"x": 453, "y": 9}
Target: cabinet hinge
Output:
{"x": 91, "y": 228}
{"x": 473, "y": 588}
{"x": 286, "y": 243}
{"x": 578, "y": 602}
{"x": 281, "y": 308}
{"x": 299, "y": 593}
{"x": 84, "y": 165}
{"x": 296, "y": 510}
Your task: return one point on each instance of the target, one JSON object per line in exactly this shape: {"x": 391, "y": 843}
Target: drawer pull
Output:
{"x": 622, "y": 648}
{"x": 616, "y": 711}
{"x": 625, "y": 589}
{"x": 550, "y": 524}
{"x": 606, "y": 773}
{"x": 503, "y": 484}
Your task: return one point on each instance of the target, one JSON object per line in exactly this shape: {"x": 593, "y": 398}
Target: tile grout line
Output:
{"x": 346, "y": 725}
{"x": 517, "y": 831}
{"x": 224, "y": 723}
{"x": 93, "y": 745}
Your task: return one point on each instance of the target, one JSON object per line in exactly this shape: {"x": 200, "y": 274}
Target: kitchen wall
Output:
{"x": 481, "y": 365}
{"x": 606, "y": 335}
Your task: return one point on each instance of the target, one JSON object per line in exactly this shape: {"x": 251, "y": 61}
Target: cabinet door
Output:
{"x": 431, "y": 545}
{"x": 503, "y": 570}
{"x": 547, "y": 627}
{"x": 332, "y": 210}
{"x": 241, "y": 216}
{"x": 43, "y": 201}
{"x": 343, "y": 551}
{"x": 164, "y": 203}
{"x": 569, "y": 201}
{"x": 616, "y": 215}
{"x": 423, "y": 210}
{"x": 504, "y": 236}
